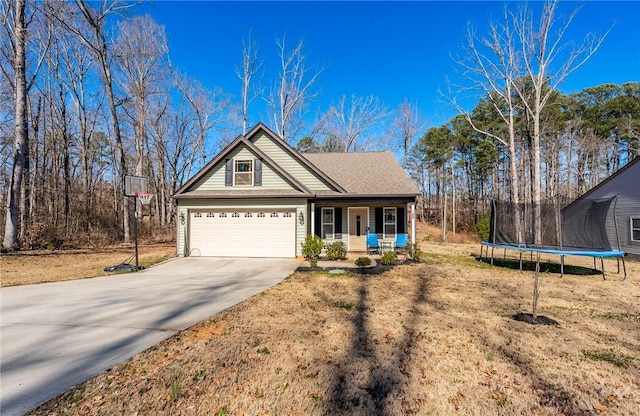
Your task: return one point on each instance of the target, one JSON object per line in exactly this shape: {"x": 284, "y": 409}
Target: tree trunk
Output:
{"x": 21, "y": 139}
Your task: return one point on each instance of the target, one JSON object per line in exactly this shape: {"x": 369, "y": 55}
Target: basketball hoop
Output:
{"x": 144, "y": 197}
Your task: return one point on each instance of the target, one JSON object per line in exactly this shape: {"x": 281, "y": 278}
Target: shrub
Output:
{"x": 388, "y": 258}
{"x": 415, "y": 252}
{"x": 337, "y": 251}
{"x": 363, "y": 262}
{"x": 311, "y": 249}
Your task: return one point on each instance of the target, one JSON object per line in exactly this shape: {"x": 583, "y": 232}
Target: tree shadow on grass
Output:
{"x": 545, "y": 267}
{"x": 384, "y": 376}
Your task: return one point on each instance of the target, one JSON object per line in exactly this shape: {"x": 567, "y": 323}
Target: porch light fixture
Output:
{"x": 182, "y": 218}
{"x": 301, "y": 218}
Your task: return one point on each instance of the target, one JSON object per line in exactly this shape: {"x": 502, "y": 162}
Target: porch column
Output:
{"x": 413, "y": 223}
{"x": 313, "y": 218}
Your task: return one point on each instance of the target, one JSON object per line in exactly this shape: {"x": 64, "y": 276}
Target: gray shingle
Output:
{"x": 365, "y": 173}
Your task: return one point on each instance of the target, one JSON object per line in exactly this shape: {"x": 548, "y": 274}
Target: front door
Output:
{"x": 358, "y": 222}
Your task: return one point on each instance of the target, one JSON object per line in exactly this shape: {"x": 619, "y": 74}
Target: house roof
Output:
{"x": 365, "y": 173}
{"x": 369, "y": 174}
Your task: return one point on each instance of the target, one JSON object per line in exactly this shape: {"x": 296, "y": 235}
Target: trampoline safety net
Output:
{"x": 580, "y": 225}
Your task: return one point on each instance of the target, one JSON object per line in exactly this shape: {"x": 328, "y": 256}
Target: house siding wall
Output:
{"x": 627, "y": 187}
{"x": 297, "y": 204}
{"x": 303, "y": 174}
{"x": 214, "y": 180}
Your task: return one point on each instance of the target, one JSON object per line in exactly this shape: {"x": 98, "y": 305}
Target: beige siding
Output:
{"x": 294, "y": 168}
{"x": 214, "y": 179}
{"x": 300, "y": 205}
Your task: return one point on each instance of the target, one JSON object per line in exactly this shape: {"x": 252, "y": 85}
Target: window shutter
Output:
{"x": 337, "y": 223}
{"x": 257, "y": 172}
{"x": 401, "y": 219}
{"x": 379, "y": 219}
{"x": 318, "y": 222}
{"x": 228, "y": 173}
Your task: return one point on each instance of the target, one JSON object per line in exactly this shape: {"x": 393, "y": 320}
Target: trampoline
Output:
{"x": 577, "y": 229}
{"x": 562, "y": 253}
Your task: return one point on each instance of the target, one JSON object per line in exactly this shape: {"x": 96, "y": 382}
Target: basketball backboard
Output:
{"x": 133, "y": 184}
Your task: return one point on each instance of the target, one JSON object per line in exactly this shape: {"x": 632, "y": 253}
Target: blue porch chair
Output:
{"x": 402, "y": 241}
{"x": 372, "y": 244}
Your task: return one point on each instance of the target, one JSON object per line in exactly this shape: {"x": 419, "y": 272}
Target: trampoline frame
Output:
{"x": 562, "y": 253}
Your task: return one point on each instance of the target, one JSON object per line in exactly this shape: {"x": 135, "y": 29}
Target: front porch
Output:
{"x": 350, "y": 223}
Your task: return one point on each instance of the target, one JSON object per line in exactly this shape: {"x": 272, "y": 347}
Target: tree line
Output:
{"x": 89, "y": 95}
{"x": 585, "y": 137}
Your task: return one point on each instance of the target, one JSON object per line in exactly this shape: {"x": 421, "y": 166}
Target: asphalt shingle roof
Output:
{"x": 365, "y": 173}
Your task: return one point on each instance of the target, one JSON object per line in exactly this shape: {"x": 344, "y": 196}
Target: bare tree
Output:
{"x": 15, "y": 24}
{"x": 351, "y": 118}
{"x": 249, "y": 69}
{"x": 94, "y": 38}
{"x": 406, "y": 126}
{"x": 292, "y": 91}
{"x": 491, "y": 67}
{"x": 208, "y": 109}
{"x": 142, "y": 56}
{"x": 546, "y": 64}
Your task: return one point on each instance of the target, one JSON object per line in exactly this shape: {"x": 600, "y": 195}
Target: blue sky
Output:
{"x": 393, "y": 50}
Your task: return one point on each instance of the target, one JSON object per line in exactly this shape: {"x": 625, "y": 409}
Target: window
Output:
{"x": 327, "y": 223}
{"x": 243, "y": 172}
{"x": 635, "y": 228}
{"x": 389, "y": 224}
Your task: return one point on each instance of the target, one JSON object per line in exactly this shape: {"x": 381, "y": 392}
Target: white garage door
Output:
{"x": 242, "y": 233}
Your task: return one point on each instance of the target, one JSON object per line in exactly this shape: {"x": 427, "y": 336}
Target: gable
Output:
{"x": 219, "y": 177}
{"x": 214, "y": 179}
{"x": 289, "y": 163}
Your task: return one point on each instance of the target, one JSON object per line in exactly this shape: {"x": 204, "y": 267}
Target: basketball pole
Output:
{"x": 135, "y": 226}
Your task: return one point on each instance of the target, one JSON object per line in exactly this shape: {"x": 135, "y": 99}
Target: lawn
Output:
{"x": 434, "y": 338}
{"x": 29, "y": 267}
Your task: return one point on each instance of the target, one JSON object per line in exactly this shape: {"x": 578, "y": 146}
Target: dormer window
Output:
{"x": 243, "y": 174}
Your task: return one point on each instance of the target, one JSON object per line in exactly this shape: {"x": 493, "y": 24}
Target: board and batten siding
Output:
{"x": 290, "y": 165}
{"x": 214, "y": 179}
{"x": 626, "y": 186}
{"x": 297, "y": 204}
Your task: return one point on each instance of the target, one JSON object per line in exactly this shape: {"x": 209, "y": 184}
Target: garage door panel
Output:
{"x": 224, "y": 234}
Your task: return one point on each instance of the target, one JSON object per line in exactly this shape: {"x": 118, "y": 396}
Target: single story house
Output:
{"x": 615, "y": 205}
{"x": 260, "y": 197}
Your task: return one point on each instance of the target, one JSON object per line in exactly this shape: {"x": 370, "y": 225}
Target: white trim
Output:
{"x": 366, "y": 224}
{"x": 313, "y": 218}
{"x": 632, "y": 228}
{"x": 333, "y": 223}
{"x": 413, "y": 223}
{"x": 384, "y": 222}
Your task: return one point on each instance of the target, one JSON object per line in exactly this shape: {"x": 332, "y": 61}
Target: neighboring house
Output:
{"x": 617, "y": 200}
{"x": 260, "y": 197}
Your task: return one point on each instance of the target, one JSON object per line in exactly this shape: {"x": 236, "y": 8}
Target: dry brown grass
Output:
{"x": 29, "y": 267}
{"x": 434, "y": 338}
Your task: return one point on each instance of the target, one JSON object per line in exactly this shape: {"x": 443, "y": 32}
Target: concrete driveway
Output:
{"x": 58, "y": 335}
